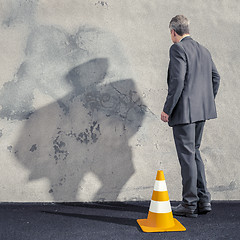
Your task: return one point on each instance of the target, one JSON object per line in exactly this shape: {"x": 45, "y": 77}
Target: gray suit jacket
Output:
{"x": 193, "y": 82}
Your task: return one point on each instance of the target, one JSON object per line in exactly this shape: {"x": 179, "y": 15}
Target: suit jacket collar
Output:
{"x": 186, "y": 38}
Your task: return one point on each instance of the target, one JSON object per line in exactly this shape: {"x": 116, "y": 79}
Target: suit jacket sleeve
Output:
{"x": 215, "y": 79}
{"x": 176, "y": 75}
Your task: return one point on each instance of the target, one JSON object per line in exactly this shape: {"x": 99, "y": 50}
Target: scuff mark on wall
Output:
{"x": 90, "y": 135}
{"x": 10, "y": 148}
{"x": 102, "y": 3}
{"x": 60, "y": 153}
{"x": 221, "y": 188}
{"x": 33, "y": 148}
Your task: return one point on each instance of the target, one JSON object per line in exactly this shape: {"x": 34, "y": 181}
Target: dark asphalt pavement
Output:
{"x": 110, "y": 220}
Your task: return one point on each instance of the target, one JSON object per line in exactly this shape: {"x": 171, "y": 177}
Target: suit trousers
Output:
{"x": 187, "y": 139}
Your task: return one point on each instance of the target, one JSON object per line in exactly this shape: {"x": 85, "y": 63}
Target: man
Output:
{"x": 193, "y": 82}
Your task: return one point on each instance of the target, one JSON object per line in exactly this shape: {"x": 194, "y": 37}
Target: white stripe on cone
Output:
{"x": 160, "y": 186}
{"x": 160, "y": 207}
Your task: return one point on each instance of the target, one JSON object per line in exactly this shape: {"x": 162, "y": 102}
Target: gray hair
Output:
{"x": 179, "y": 24}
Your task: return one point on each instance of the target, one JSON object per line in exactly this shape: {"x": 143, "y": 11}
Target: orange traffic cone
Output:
{"x": 160, "y": 218}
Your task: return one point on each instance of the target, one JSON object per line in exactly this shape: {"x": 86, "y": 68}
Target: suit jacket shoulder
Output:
{"x": 177, "y": 50}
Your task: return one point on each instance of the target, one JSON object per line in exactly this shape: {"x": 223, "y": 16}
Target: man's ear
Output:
{"x": 174, "y": 33}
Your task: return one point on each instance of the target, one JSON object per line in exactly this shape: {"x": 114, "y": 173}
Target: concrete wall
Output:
{"x": 82, "y": 86}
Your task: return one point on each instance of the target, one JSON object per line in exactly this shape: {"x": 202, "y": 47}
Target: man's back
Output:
{"x": 192, "y": 71}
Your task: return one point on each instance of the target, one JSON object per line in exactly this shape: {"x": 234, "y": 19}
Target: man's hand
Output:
{"x": 164, "y": 117}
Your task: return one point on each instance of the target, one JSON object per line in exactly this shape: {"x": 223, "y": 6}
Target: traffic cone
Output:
{"x": 160, "y": 218}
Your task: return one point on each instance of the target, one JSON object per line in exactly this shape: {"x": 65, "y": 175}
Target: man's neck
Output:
{"x": 183, "y": 36}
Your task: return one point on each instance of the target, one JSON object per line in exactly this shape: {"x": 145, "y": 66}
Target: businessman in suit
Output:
{"x": 193, "y": 83}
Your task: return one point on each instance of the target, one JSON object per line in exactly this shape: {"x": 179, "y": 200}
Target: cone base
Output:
{"x": 145, "y": 226}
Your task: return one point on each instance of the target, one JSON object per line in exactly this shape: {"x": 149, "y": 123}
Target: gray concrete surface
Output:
{"x": 112, "y": 220}
{"x": 82, "y": 86}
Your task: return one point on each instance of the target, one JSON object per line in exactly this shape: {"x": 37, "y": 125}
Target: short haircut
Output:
{"x": 180, "y": 25}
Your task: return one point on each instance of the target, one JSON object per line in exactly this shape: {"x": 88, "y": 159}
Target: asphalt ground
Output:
{"x": 110, "y": 220}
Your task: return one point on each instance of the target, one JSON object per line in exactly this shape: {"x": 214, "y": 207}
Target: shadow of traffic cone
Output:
{"x": 160, "y": 218}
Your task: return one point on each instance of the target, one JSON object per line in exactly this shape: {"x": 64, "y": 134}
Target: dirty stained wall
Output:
{"x": 82, "y": 87}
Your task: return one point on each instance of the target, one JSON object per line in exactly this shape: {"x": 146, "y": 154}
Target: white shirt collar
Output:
{"x": 184, "y": 37}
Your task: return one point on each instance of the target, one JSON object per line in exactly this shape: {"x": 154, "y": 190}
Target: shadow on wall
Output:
{"x": 85, "y": 131}
{"x": 88, "y": 126}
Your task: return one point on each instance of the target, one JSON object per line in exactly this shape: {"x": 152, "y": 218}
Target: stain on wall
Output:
{"x": 19, "y": 11}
